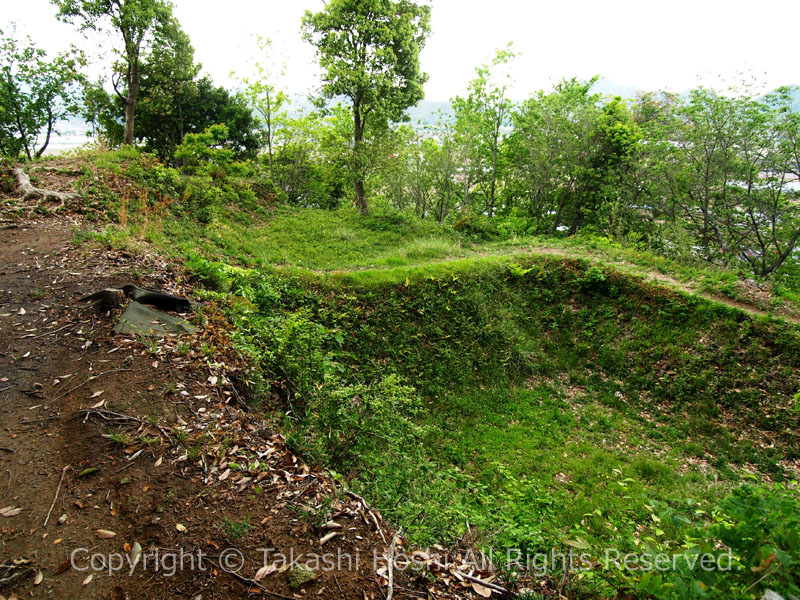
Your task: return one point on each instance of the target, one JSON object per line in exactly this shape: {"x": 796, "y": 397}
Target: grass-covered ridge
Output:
{"x": 542, "y": 402}
{"x": 236, "y": 220}
{"x": 540, "y": 390}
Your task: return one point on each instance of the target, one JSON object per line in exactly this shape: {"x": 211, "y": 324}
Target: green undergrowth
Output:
{"x": 542, "y": 403}
{"x": 229, "y": 213}
{"x": 531, "y": 393}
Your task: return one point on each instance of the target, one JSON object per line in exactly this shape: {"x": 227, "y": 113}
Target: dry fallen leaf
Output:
{"x": 482, "y": 591}
{"x": 105, "y": 533}
{"x": 181, "y": 528}
{"x": 39, "y": 577}
{"x": 159, "y": 461}
{"x": 136, "y": 553}
{"x": 10, "y": 511}
{"x": 64, "y": 566}
{"x": 88, "y": 579}
{"x": 264, "y": 571}
{"x": 96, "y": 394}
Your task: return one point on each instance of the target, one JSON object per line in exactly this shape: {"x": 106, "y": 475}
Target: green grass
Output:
{"x": 342, "y": 240}
{"x": 518, "y": 365}
{"x": 318, "y": 239}
{"x": 536, "y": 392}
{"x": 588, "y": 462}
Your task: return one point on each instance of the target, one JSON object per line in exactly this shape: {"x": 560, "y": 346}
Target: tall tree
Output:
{"x": 172, "y": 102}
{"x": 35, "y": 94}
{"x": 549, "y": 150}
{"x": 140, "y": 24}
{"x": 369, "y": 52}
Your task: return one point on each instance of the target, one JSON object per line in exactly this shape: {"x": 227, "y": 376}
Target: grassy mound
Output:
{"x": 538, "y": 403}
{"x": 533, "y": 394}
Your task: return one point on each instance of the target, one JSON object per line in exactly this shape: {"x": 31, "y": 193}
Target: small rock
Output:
{"x": 62, "y": 519}
{"x": 300, "y": 575}
{"x": 770, "y": 595}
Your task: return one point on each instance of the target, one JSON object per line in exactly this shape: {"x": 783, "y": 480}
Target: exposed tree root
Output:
{"x": 30, "y": 192}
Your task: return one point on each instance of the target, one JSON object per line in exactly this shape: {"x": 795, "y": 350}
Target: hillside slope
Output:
{"x": 517, "y": 395}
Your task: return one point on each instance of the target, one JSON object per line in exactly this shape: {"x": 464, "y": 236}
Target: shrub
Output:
{"x": 347, "y": 423}
{"x": 477, "y": 227}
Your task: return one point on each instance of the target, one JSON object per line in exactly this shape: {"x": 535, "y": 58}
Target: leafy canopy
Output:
{"x": 142, "y": 24}
{"x": 133, "y": 19}
{"x": 35, "y": 93}
{"x": 369, "y": 52}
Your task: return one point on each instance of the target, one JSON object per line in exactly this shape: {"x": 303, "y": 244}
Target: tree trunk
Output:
{"x": 358, "y": 177}
{"x": 130, "y": 103}
{"x": 50, "y": 124}
{"x": 269, "y": 135}
{"x": 21, "y": 128}
{"x": 361, "y": 197}
{"x": 496, "y": 135}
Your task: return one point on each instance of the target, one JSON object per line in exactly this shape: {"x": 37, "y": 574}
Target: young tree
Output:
{"x": 369, "y": 52}
{"x": 35, "y": 94}
{"x": 311, "y": 158}
{"x": 267, "y": 100}
{"x": 140, "y": 24}
{"x": 485, "y": 111}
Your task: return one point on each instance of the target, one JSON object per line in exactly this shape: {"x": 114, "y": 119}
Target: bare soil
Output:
{"x": 180, "y": 474}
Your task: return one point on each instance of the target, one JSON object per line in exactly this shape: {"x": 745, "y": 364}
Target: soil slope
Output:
{"x": 187, "y": 469}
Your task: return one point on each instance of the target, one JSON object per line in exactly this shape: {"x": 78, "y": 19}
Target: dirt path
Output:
{"x": 186, "y": 468}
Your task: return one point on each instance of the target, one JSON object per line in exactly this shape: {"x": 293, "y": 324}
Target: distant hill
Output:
{"x": 608, "y": 87}
{"x": 794, "y": 94}
{"x": 427, "y": 111}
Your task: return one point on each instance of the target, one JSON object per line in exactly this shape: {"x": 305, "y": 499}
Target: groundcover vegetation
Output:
{"x": 522, "y": 403}
{"x": 539, "y": 404}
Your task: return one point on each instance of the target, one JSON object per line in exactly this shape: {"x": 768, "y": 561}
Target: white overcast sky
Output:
{"x": 640, "y": 43}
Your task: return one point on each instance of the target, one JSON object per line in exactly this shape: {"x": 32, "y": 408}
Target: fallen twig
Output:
{"x": 106, "y": 415}
{"x": 762, "y": 578}
{"x": 33, "y": 337}
{"x": 395, "y": 537}
{"x": 20, "y": 571}
{"x": 479, "y": 581}
{"x": 245, "y": 580}
{"x": 92, "y": 378}
{"x": 58, "y": 489}
{"x": 369, "y": 512}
